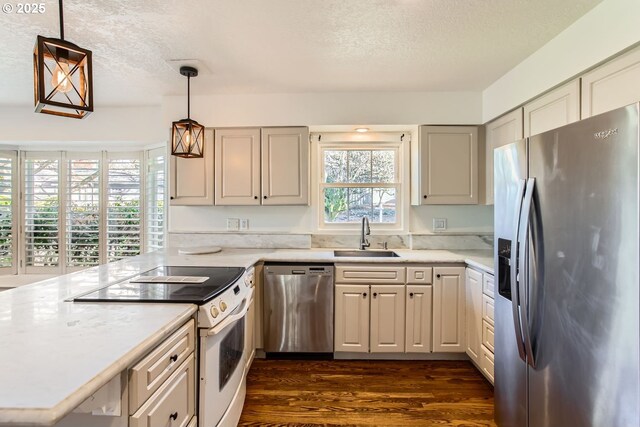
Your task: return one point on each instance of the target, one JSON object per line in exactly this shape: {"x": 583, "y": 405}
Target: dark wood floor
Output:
{"x": 366, "y": 393}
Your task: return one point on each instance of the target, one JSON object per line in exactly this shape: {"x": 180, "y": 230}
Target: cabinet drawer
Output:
{"x": 488, "y": 309}
{"x": 420, "y": 275}
{"x": 173, "y": 404}
{"x": 153, "y": 370}
{"x": 487, "y": 335}
{"x": 486, "y": 363}
{"x": 369, "y": 274}
{"x": 487, "y": 285}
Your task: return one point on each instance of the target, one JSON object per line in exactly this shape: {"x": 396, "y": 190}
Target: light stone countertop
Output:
{"x": 55, "y": 353}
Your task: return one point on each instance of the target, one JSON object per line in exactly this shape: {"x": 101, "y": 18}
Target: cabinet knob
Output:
{"x": 174, "y": 416}
{"x": 424, "y": 197}
{"x": 174, "y": 358}
{"x": 265, "y": 197}
{"x": 172, "y": 197}
{"x": 437, "y": 276}
{"x": 411, "y": 295}
{"x": 375, "y": 294}
{"x": 255, "y": 197}
{"x": 364, "y": 295}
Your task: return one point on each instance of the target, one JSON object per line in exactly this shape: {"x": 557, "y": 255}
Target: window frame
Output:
{"x": 15, "y": 211}
{"x": 341, "y": 144}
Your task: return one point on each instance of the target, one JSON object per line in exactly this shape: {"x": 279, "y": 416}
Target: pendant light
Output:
{"x": 187, "y": 136}
{"x": 63, "y": 85}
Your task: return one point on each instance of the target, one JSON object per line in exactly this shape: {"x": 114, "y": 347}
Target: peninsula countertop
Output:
{"x": 56, "y": 353}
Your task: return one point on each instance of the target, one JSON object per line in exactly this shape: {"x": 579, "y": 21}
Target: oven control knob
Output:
{"x": 248, "y": 281}
{"x": 223, "y": 306}
{"x": 214, "y": 312}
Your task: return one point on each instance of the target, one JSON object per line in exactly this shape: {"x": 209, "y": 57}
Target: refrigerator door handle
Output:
{"x": 523, "y": 235}
{"x": 515, "y": 297}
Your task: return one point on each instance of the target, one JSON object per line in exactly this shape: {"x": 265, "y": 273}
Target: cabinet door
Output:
{"x": 285, "y": 166}
{"x": 418, "y": 320}
{"x": 191, "y": 180}
{"x": 237, "y": 153}
{"x": 352, "y": 318}
{"x": 387, "y": 318}
{"x": 473, "y": 314}
{"x": 448, "y": 309}
{"x": 449, "y": 165}
{"x": 557, "y": 108}
{"x": 612, "y": 85}
{"x": 503, "y": 130}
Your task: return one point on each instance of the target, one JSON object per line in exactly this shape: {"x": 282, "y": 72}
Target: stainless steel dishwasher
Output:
{"x": 298, "y": 308}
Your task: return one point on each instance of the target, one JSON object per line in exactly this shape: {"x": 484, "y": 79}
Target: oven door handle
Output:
{"x": 237, "y": 314}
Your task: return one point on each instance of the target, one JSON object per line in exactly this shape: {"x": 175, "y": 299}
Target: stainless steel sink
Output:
{"x": 368, "y": 254}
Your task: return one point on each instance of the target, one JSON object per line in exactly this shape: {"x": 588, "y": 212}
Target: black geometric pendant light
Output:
{"x": 63, "y": 85}
{"x": 187, "y": 136}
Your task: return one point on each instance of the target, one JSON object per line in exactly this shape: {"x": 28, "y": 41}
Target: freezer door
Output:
{"x": 583, "y": 288}
{"x": 510, "y": 170}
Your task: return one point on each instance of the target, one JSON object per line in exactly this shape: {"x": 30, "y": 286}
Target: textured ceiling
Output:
{"x": 260, "y": 46}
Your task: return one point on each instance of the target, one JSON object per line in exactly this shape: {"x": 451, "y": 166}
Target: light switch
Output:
{"x": 244, "y": 224}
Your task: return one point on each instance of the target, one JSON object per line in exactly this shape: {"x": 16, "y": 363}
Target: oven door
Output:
{"x": 222, "y": 356}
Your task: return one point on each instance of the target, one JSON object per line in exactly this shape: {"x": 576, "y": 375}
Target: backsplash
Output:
{"x": 283, "y": 240}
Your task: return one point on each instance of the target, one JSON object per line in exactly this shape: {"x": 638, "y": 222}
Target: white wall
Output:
{"x": 318, "y": 110}
{"x": 607, "y": 29}
{"x": 122, "y": 126}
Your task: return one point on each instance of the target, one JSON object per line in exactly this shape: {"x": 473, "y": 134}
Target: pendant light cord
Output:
{"x": 61, "y": 21}
{"x": 188, "y": 96}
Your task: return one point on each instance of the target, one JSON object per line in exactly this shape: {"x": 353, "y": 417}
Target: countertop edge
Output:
{"x": 50, "y": 416}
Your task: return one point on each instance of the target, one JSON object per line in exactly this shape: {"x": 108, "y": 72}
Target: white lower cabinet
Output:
{"x": 351, "y": 318}
{"x": 486, "y": 363}
{"x": 418, "y": 326}
{"x": 174, "y": 402}
{"x": 387, "y": 319}
{"x": 473, "y": 314}
{"x": 449, "y": 309}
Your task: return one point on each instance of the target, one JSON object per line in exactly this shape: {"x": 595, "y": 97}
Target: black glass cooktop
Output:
{"x": 219, "y": 280}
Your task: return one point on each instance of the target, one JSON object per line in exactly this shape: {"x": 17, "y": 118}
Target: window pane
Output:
{"x": 123, "y": 209}
{"x": 335, "y": 205}
{"x": 155, "y": 198}
{"x": 343, "y": 205}
{"x": 83, "y": 213}
{"x": 384, "y": 205}
{"x": 41, "y": 212}
{"x": 6, "y": 212}
{"x": 359, "y": 166}
{"x": 335, "y": 166}
{"x": 383, "y": 166}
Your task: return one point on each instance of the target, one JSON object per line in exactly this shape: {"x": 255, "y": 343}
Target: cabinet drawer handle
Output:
{"x": 364, "y": 295}
{"x": 174, "y": 416}
{"x": 174, "y": 358}
{"x": 411, "y": 295}
{"x": 375, "y": 294}
{"x": 437, "y": 276}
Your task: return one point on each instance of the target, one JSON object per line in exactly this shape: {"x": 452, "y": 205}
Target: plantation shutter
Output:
{"x": 123, "y": 228}
{"x": 155, "y": 199}
{"x": 8, "y": 217}
{"x": 42, "y": 212}
{"x": 83, "y": 210}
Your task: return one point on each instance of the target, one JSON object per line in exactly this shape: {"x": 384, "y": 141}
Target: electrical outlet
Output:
{"x": 439, "y": 224}
{"x": 233, "y": 224}
{"x": 244, "y": 224}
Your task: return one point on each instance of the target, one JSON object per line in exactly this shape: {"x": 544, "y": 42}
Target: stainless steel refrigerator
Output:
{"x": 566, "y": 258}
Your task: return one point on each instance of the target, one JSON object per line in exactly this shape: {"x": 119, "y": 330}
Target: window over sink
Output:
{"x": 360, "y": 179}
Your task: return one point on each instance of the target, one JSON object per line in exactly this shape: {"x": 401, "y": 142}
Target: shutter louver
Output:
{"x": 123, "y": 209}
{"x": 7, "y": 256}
{"x": 83, "y": 213}
{"x": 155, "y": 199}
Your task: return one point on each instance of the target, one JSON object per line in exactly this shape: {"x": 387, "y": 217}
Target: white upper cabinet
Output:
{"x": 191, "y": 180}
{"x": 557, "y": 108}
{"x": 268, "y": 166}
{"x": 285, "y": 166}
{"x": 612, "y": 85}
{"x": 503, "y": 130}
{"x": 237, "y": 159}
{"x": 445, "y": 166}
